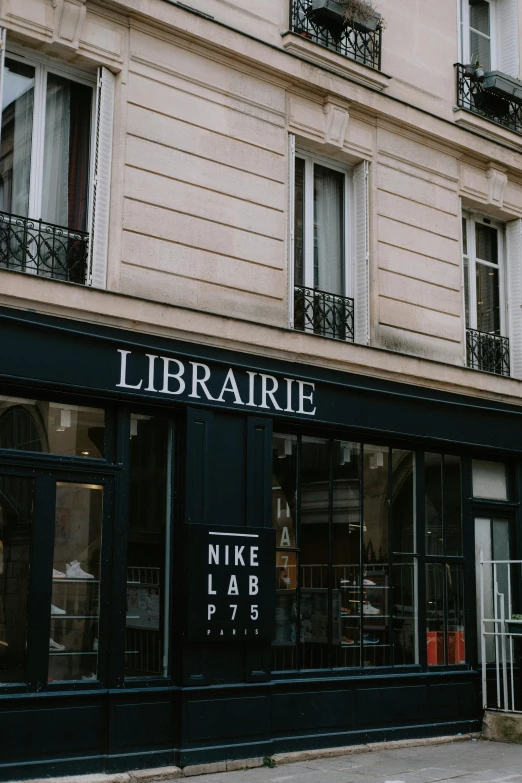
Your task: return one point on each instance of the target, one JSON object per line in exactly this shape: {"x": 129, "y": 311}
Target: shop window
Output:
{"x": 148, "y": 553}
{"x": 75, "y": 603}
{"x": 330, "y": 248}
{"x": 444, "y": 561}
{"x": 55, "y": 154}
{"x": 346, "y": 568}
{"x": 16, "y": 517}
{"x": 489, "y": 480}
{"x": 51, "y": 428}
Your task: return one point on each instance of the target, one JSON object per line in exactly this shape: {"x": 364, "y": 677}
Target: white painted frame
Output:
{"x": 472, "y": 219}
{"x": 311, "y": 159}
{"x": 465, "y": 54}
{"x": 44, "y": 65}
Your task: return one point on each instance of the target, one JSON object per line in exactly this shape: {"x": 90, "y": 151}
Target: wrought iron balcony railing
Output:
{"x": 44, "y": 249}
{"x": 487, "y": 352}
{"x": 363, "y": 46}
{"x": 472, "y": 97}
{"x": 326, "y": 314}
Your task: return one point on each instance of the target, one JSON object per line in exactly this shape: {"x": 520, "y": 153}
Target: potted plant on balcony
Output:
{"x": 335, "y": 14}
{"x": 514, "y": 624}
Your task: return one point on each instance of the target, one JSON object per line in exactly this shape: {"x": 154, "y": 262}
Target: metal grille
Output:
{"x": 472, "y": 96}
{"x": 42, "y": 248}
{"x": 362, "y": 46}
{"x": 487, "y": 352}
{"x": 321, "y": 313}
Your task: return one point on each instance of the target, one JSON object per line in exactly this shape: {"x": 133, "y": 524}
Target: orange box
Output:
{"x": 435, "y": 647}
{"x": 456, "y": 647}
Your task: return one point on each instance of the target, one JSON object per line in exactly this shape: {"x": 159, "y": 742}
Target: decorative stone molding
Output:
{"x": 69, "y": 16}
{"x": 336, "y": 124}
{"x": 497, "y": 182}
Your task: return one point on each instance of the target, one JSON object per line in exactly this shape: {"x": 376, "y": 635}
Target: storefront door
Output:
{"x": 54, "y": 567}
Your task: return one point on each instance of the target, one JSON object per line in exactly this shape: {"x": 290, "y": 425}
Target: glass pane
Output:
{"x": 483, "y": 550}
{"x": 375, "y": 577}
{"x": 148, "y": 562}
{"x": 16, "y": 517}
{"x": 435, "y": 614}
{"x": 75, "y": 605}
{"x": 31, "y": 425}
{"x": 480, "y": 48}
{"x": 403, "y": 501}
{"x": 488, "y": 299}
{"x": 284, "y": 644}
{"x": 17, "y": 136}
{"x": 479, "y": 15}
{"x": 284, "y": 487}
{"x": 315, "y": 482}
{"x": 433, "y": 503}
{"x": 465, "y": 236}
{"x": 66, "y": 152}
{"x": 405, "y": 612}
{"x": 489, "y": 480}
{"x": 299, "y": 206}
{"x": 452, "y": 506}
{"x": 466, "y": 290}
{"x": 479, "y": 34}
{"x": 328, "y": 230}
{"x": 455, "y": 601}
{"x": 486, "y": 239}
{"x": 346, "y": 618}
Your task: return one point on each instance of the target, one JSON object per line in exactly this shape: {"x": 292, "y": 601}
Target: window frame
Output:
{"x": 44, "y": 65}
{"x": 311, "y": 159}
{"x": 471, "y": 218}
{"x": 464, "y": 32}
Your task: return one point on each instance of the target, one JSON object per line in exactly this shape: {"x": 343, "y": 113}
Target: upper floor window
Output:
{"x": 486, "y": 322}
{"x": 329, "y": 242}
{"x": 53, "y": 157}
{"x": 478, "y": 33}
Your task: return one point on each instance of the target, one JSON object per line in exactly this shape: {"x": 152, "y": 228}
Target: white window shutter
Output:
{"x": 291, "y": 220}
{"x": 361, "y": 258}
{"x": 2, "y": 60}
{"x": 514, "y": 294}
{"x": 101, "y": 185}
{"x": 507, "y": 37}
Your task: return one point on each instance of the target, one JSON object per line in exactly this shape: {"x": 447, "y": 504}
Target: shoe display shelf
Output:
{"x": 372, "y": 627}
{"x": 76, "y": 629}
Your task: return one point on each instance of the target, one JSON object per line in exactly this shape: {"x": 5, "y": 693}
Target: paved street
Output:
{"x": 476, "y": 761}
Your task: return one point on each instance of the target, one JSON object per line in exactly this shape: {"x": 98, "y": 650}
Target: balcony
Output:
{"x": 41, "y": 248}
{"x": 487, "y": 352}
{"x": 472, "y": 96}
{"x": 363, "y": 46}
{"x": 325, "y": 314}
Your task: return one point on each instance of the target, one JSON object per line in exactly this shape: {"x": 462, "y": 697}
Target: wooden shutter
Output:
{"x": 514, "y": 294}
{"x": 101, "y": 185}
{"x": 361, "y": 259}
{"x": 507, "y": 37}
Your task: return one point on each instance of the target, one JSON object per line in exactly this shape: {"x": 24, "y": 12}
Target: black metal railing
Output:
{"x": 43, "y": 249}
{"x": 472, "y": 96}
{"x": 363, "y": 46}
{"x": 321, "y": 313}
{"x": 487, "y": 352}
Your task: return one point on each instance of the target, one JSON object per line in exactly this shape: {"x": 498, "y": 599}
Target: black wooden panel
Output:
{"x": 451, "y": 701}
{"x": 51, "y": 733}
{"x": 314, "y": 710}
{"x": 218, "y": 719}
{"x": 259, "y": 472}
{"x": 198, "y": 476}
{"x": 391, "y": 706}
{"x": 228, "y": 470}
{"x": 143, "y": 725}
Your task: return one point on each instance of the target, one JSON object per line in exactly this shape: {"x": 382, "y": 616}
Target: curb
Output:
{"x": 279, "y": 759}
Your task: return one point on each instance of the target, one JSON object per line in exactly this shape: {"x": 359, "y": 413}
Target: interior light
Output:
{"x": 284, "y": 448}
{"x": 346, "y": 453}
{"x": 65, "y": 418}
{"x": 85, "y": 453}
{"x": 133, "y": 427}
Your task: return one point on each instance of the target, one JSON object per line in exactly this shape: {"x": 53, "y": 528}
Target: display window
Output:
{"x": 348, "y": 557}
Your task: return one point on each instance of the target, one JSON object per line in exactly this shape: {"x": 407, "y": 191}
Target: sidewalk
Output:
{"x": 472, "y": 761}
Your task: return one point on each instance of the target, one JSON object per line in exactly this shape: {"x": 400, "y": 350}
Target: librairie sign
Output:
{"x": 231, "y": 583}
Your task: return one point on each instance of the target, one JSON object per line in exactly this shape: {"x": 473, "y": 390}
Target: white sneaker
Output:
{"x": 57, "y": 610}
{"x": 58, "y": 574}
{"x": 368, "y": 582}
{"x": 95, "y": 645}
{"x": 369, "y": 609}
{"x": 75, "y": 571}
{"x": 55, "y": 647}
{"x": 91, "y": 676}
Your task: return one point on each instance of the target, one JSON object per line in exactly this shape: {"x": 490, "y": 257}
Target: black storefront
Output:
{"x": 208, "y": 555}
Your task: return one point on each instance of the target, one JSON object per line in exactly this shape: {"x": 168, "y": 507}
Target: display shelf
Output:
{"x": 364, "y": 587}
{"x": 58, "y": 581}
{"x": 73, "y": 616}
{"x": 62, "y": 654}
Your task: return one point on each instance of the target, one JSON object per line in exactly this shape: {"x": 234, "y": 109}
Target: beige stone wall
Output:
{"x": 199, "y": 208}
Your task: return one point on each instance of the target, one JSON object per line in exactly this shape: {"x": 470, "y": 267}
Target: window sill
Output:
{"x": 320, "y": 55}
{"x": 494, "y": 131}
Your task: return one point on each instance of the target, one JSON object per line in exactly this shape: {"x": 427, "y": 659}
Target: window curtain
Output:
{"x": 328, "y": 230}
{"x": 55, "y": 190}
{"x": 23, "y": 135}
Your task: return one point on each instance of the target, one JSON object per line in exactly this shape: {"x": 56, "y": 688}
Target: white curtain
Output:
{"x": 22, "y": 142}
{"x": 55, "y": 191}
{"x": 328, "y": 229}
